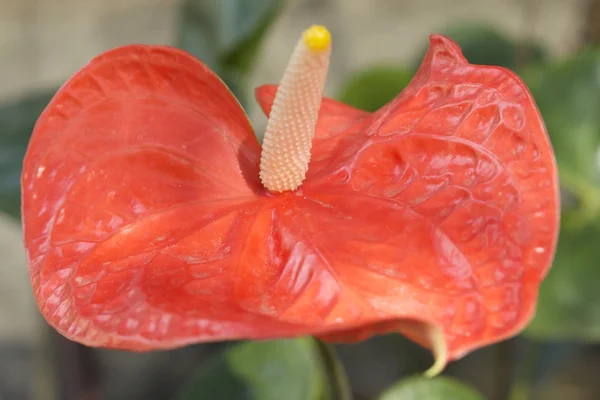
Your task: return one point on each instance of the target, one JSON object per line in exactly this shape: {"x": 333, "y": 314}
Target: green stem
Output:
{"x": 338, "y": 380}
{"x": 505, "y": 354}
{"x": 522, "y": 385}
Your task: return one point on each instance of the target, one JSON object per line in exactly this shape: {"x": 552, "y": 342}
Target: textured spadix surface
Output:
{"x": 147, "y": 226}
{"x": 291, "y": 126}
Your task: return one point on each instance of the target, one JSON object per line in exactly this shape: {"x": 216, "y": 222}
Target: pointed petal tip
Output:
{"x": 442, "y": 48}
{"x": 439, "y": 348}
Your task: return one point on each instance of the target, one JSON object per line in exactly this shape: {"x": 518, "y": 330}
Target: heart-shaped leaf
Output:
{"x": 16, "y": 124}
{"x": 262, "y": 370}
{"x": 568, "y": 95}
{"x": 440, "y": 388}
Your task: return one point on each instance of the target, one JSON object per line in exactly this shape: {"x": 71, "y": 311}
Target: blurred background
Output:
{"x": 552, "y": 44}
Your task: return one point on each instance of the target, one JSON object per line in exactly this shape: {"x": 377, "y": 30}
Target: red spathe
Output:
{"x": 147, "y": 227}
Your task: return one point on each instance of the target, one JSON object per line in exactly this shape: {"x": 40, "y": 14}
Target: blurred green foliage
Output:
{"x": 17, "y": 120}
{"x": 226, "y": 35}
{"x": 440, "y": 388}
{"x": 568, "y": 95}
{"x": 371, "y": 89}
{"x": 262, "y": 370}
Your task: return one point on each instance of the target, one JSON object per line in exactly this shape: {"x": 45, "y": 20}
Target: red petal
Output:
{"x": 443, "y": 207}
{"x": 136, "y": 182}
{"x": 440, "y": 210}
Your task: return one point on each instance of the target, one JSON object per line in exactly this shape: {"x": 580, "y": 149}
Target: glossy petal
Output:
{"x": 442, "y": 207}
{"x": 135, "y": 189}
{"x": 146, "y": 225}
{"x": 464, "y": 155}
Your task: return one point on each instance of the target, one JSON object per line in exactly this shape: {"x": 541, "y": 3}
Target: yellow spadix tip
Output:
{"x": 317, "y": 38}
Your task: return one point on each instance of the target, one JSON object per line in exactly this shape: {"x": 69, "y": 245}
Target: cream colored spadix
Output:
{"x": 293, "y": 117}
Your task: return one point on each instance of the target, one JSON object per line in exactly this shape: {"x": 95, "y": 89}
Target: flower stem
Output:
{"x": 522, "y": 386}
{"x": 505, "y": 363}
{"x": 336, "y": 374}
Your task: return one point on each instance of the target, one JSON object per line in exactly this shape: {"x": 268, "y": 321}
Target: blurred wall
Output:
{"x": 42, "y": 42}
{"x": 390, "y": 31}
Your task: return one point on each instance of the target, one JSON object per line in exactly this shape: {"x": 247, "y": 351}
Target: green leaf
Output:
{"x": 484, "y": 45}
{"x": 243, "y": 47}
{"x": 372, "y": 88}
{"x": 421, "y": 388}
{"x": 262, "y": 370}
{"x": 568, "y": 95}
{"x": 196, "y": 33}
{"x": 17, "y": 120}
{"x": 569, "y": 301}
{"x": 226, "y": 35}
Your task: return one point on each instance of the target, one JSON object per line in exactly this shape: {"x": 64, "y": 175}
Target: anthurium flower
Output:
{"x": 153, "y": 219}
